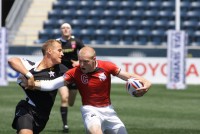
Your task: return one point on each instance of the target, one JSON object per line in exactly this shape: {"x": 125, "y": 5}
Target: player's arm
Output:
{"x": 17, "y": 65}
{"x": 125, "y": 76}
{"x": 50, "y": 85}
{"x": 75, "y": 63}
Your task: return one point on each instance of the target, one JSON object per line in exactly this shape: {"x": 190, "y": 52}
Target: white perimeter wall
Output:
{"x": 154, "y": 69}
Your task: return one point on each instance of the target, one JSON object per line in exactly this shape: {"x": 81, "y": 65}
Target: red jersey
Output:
{"x": 94, "y": 87}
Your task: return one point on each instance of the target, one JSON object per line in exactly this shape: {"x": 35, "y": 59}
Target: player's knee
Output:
{"x": 71, "y": 104}
{"x": 95, "y": 129}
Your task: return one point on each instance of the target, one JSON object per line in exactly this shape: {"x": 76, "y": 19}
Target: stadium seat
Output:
{"x": 127, "y": 4}
{"x": 54, "y": 14}
{"x": 105, "y": 23}
{"x": 167, "y": 14}
{"x": 49, "y": 24}
{"x": 123, "y": 14}
{"x": 128, "y": 36}
{"x": 113, "y": 5}
{"x": 195, "y": 5}
{"x": 115, "y": 36}
{"x": 86, "y": 35}
{"x": 136, "y": 23}
{"x": 45, "y": 34}
{"x": 168, "y": 5}
{"x": 95, "y": 14}
{"x": 109, "y": 14}
{"x": 147, "y": 24}
{"x": 154, "y": 5}
{"x": 143, "y": 36}
{"x": 99, "y": 4}
{"x": 140, "y": 5}
{"x": 158, "y": 37}
{"x": 151, "y": 14}
{"x": 67, "y": 14}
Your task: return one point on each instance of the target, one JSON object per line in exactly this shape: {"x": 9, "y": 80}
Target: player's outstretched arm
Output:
{"x": 49, "y": 85}
{"x": 17, "y": 65}
{"x": 125, "y": 76}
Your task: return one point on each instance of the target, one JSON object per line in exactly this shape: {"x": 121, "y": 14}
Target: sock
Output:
{"x": 64, "y": 112}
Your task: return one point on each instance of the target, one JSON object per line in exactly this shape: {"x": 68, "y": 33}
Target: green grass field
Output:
{"x": 160, "y": 111}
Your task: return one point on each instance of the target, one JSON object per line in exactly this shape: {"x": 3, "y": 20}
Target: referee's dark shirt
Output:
{"x": 70, "y": 50}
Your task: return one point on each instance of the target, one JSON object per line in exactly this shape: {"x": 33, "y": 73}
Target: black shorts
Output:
{"x": 27, "y": 117}
{"x": 72, "y": 86}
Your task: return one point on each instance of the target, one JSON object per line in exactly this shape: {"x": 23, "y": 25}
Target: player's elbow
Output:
{"x": 11, "y": 60}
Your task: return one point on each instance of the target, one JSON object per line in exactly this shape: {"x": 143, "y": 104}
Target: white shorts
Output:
{"x": 105, "y": 117}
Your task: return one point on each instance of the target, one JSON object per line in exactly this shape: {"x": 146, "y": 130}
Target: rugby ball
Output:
{"x": 132, "y": 85}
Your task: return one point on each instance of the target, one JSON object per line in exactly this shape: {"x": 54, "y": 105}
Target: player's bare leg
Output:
{"x": 64, "y": 94}
{"x": 72, "y": 97}
{"x": 25, "y": 131}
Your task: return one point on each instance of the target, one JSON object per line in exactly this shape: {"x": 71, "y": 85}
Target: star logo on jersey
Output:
{"x": 102, "y": 77}
{"x": 51, "y": 74}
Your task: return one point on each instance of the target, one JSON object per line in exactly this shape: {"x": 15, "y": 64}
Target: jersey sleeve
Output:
{"x": 112, "y": 68}
{"x": 27, "y": 63}
{"x": 69, "y": 75}
{"x": 63, "y": 68}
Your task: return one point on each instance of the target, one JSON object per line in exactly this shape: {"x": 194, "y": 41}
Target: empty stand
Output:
{"x": 129, "y": 22}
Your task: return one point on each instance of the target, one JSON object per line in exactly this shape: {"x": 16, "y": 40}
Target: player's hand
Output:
{"x": 75, "y": 63}
{"x": 22, "y": 81}
{"x": 140, "y": 92}
{"x": 26, "y": 83}
{"x": 31, "y": 83}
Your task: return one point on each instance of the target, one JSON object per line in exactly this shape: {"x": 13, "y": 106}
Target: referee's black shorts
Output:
{"x": 72, "y": 86}
{"x": 26, "y": 117}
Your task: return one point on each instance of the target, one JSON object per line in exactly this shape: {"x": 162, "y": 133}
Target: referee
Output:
{"x": 71, "y": 46}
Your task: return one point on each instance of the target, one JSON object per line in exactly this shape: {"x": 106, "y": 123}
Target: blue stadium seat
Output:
{"x": 195, "y": 5}
{"x": 86, "y": 35}
{"x": 91, "y": 23}
{"x": 54, "y": 14}
{"x": 167, "y": 14}
{"x": 168, "y": 5}
{"x": 109, "y": 14}
{"x": 113, "y": 5}
{"x": 105, "y": 23}
{"x": 151, "y": 14}
{"x": 140, "y": 5}
{"x": 147, "y": 24}
{"x": 123, "y": 14}
{"x": 95, "y": 14}
{"x": 99, "y": 4}
{"x": 127, "y": 4}
{"x": 67, "y": 14}
{"x": 136, "y": 23}
{"x": 119, "y": 23}
{"x": 50, "y": 24}
{"x": 189, "y": 24}
{"x": 100, "y": 36}
{"x": 143, "y": 36}
{"x": 137, "y": 14}
{"x": 158, "y": 37}
{"x": 128, "y": 36}
{"x": 154, "y": 5}
{"x": 115, "y": 36}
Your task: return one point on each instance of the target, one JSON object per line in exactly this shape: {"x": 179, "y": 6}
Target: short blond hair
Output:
{"x": 47, "y": 44}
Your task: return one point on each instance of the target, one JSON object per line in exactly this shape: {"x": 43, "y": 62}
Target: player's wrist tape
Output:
{"x": 28, "y": 75}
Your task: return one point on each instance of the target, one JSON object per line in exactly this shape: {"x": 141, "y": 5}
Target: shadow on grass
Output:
{"x": 162, "y": 131}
